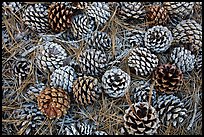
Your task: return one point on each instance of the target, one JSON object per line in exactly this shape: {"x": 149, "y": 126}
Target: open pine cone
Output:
{"x": 183, "y": 59}
{"x": 86, "y": 90}
{"x": 50, "y": 56}
{"x": 35, "y": 17}
{"x": 115, "y": 82}
{"x": 63, "y": 77}
{"x": 59, "y": 16}
{"x": 156, "y": 15}
{"x": 92, "y": 61}
{"x": 158, "y": 39}
{"x": 141, "y": 119}
{"x": 188, "y": 32}
{"x": 171, "y": 110}
{"x": 178, "y": 11}
{"x": 53, "y": 102}
{"x": 141, "y": 61}
{"x": 167, "y": 78}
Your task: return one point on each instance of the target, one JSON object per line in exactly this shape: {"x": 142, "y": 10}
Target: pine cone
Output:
{"x": 167, "y": 78}
{"x": 198, "y": 63}
{"x": 82, "y": 5}
{"x": 142, "y": 61}
{"x": 171, "y": 110}
{"x": 131, "y": 10}
{"x": 85, "y": 90}
{"x": 9, "y": 7}
{"x": 142, "y": 93}
{"x": 99, "y": 40}
{"x": 100, "y": 12}
{"x": 63, "y": 77}
{"x": 100, "y": 133}
{"x": 183, "y": 59}
{"x": 50, "y": 56}
{"x": 156, "y": 15}
{"x": 82, "y": 26}
{"x": 92, "y": 61}
{"x": 22, "y": 68}
{"x": 158, "y": 39}
{"x": 188, "y": 32}
{"x": 59, "y": 16}
{"x": 33, "y": 91}
{"x": 135, "y": 37}
{"x": 30, "y": 119}
{"x": 178, "y": 10}
{"x": 115, "y": 82}
{"x": 54, "y": 103}
{"x": 141, "y": 119}
{"x": 35, "y": 17}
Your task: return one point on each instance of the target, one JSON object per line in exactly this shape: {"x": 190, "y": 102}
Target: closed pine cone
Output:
{"x": 53, "y": 102}
{"x": 85, "y": 90}
{"x": 167, "y": 78}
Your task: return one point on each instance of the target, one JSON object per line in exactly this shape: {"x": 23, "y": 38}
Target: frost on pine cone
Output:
{"x": 30, "y": 119}
{"x": 50, "y": 56}
{"x": 53, "y": 102}
{"x": 141, "y": 119}
{"x": 183, "y": 59}
{"x": 171, "y": 110}
{"x": 82, "y": 26}
{"x": 167, "y": 78}
{"x": 99, "y": 40}
{"x": 115, "y": 82}
{"x": 131, "y": 10}
{"x": 35, "y": 17}
{"x": 63, "y": 77}
{"x": 156, "y": 15}
{"x": 188, "y": 32}
{"x": 141, "y": 61}
{"x": 100, "y": 12}
{"x": 59, "y": 16}
{"x": 158, "y": 39}
{"x": 178, "y": 11}
{"x": 86, "y": 90}
{"x": 142, "y": 93}
{"x": 22, "y": 69}
{"x": 92, "y": 61}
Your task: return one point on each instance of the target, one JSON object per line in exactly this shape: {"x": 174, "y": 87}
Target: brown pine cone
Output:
{"x": 85, "y": 90}
{"x": 167, "y": 78}
{"x": 156, "y": 15}
{"x": 59, "y": 16}
{"x": 141, "y": 119}
{"x": 54, "y": 103}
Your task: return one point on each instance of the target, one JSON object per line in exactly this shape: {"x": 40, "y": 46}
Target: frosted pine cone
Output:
{"x": 59, "y": 16}
{"x": 99, "y": 40}
{"x": 33, "y": 91}
{"x": 85, "y": 90}
{"x": 54, "y": 103}
{"x": 92, "y": 61}
{"x": 100, "y": 133}
{"x": 142, "y": 61}
{"x": 178, "y": 10}
{"x": 171, "y": 110}
{"x": 35, "y": 17}
{"x": 198, "y": 63}
{"x": 188, "y": 32}
{"x": 100, "y": 12}
{"x": 158, "y": 39}
{"x": 115, "y": 82}
{"x": 29, "y": 118}
{"x": 131, "y": 10}
{"x": 141, "y": 119}
{"x": 21, "y": 69}
{"x": 167, "y": 78}
{"x": 183, "y": 59}
{"x": 82, "y": 5}
{"x": 11, "y": 7}
{"x": 63, "y": 77}
{"x": 156, "y": 15}
{"x": 50, "y": 56}
{"x": 142, "y": 93}
{"x": 82, "y": 26}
